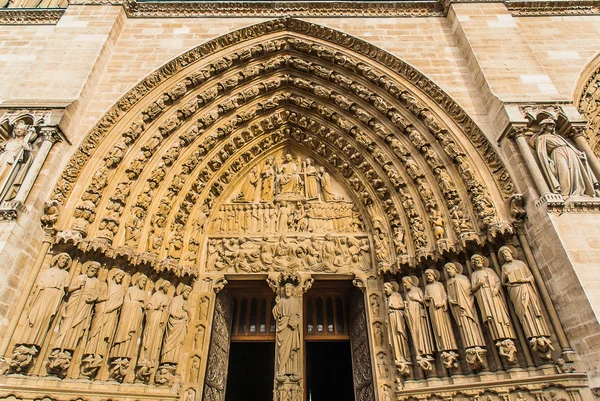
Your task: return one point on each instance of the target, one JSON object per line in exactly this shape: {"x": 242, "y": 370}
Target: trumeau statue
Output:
{"x": 566, "y": 168}
{"x": 397, "y": 333}
{"x": 487, "y": 287}
{"x": 287, "y": 312}
{"x": 520, "y": 284}
{"x": 436, "y": 300}
{"x": 418, "y": 321}
{"x": 15, "y": 159}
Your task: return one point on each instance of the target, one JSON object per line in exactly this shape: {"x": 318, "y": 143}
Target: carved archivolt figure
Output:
{"x": 156, "y": 320}
{"x": 519, "y": 281}
{"x": 126, "y": 337}
{"x": 287, "y": 313}
{"x": 416, "y": 316}
{"x": 397, "y": 334}
{"x": 15, "y": 159}
{"x": 566, "y": 169}
{"x": 106, "y": 315}
{"x": 437, "y": 301}
{"x": 462, "y": 305}
{"x": 47, "y": 295}
{"x": 176, "y": 325}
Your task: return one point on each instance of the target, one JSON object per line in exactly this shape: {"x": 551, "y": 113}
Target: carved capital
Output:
{"x": 576, "y": 131}
{"x": 51, "y": 133}
{"x": 517, "y": 131}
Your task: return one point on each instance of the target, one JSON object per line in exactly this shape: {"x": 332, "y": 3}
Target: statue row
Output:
{"x": 326, "y": 254}
{"x": 105, "y": 320}
{"x": 337, "y": 217}
{"x": 425, "y": 315}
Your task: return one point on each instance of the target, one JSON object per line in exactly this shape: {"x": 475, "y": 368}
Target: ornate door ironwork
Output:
{"x": 359, "y": 343}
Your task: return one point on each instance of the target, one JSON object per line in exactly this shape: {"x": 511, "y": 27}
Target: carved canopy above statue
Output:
{"x": 190, "y": 143}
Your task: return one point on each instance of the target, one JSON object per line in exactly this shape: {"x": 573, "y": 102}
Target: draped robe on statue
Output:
{"x": 132, "y": 314}
{"x": 524, "y": 298}
{"x": 418, "y": 323}
{"x": 312, "y": 191}
{"x": 77, "y": 313}
{"x": 287, "y": 314}
{"x": 106, "y": 315}
{"x": 437, "y": 301}
{"x": 462, "y": 305}
{"x": 397, "y": 328}
{"x": 492, "y": 305}
{"x": 48, "y": 294}
{"x": 289, "y": 179}
{"x": 176, "y": 330}
{"x": 156, "y": 320}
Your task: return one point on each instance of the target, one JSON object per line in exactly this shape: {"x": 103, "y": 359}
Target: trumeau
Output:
{"x": 294, "y": 154}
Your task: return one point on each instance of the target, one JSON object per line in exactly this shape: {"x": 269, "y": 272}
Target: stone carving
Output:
{"x": 520, "y": 284}
{"x": 327, "y": 254}
{"x": 418, "y": 321}
{"x": 436, "y": 300}
{"x": 462, "y": 305}
{"x": 46, "y": 298}
{"x": 566, "y": 169}
{"x": 83, "y": 291}
{"x": 487, "y": 287}
{"x": 397, "y": 332}
{"x": 176, "y": 326}
{"x": 287, "y": 312}
{"x": 15, "y": 159}
{"x": 104, "y": 323}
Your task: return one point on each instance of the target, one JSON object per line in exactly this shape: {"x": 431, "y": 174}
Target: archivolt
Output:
{"x": 159, "y": 160}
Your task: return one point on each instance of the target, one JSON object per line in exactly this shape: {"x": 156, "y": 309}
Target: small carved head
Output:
{"x": 62, "y": 261}
{"x": 432, "y": 275}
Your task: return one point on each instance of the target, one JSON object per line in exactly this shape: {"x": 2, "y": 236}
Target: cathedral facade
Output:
{"x": 300, "y": 201}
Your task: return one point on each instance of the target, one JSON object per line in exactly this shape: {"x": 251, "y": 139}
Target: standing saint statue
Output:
{"x": 104, "y": 323}
{"x": 15, "y": 159}
{"x": 288, "y": 177}
{"x": 326, "y": 188}
{"x": 312, "y": 191}
{"x": 250, "y": 187}
{"x": 130, "y": 325}
{"x": 416, "y": 317}
{"x": 176, "y": 326}
{"x": 519, "y": 282}
{"x": 566, "y": 168}
{"x": 287, "y": 314}
{"x": 397, "y": 334}
{"x": 156, "y": 320}
{"x": 268, "y": 182}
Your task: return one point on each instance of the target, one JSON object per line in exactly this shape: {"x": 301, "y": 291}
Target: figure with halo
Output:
{"x": 397, "y": 334}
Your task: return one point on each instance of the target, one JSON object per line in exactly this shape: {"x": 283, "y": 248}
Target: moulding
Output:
{"x": 30, "y": 16}
{"x": 553, "y": 8}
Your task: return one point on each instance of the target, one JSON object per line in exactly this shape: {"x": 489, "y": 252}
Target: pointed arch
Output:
{"x": 162, "y": 155}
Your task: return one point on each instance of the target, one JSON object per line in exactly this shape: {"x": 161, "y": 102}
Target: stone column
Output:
{"x": 518, "y": 133}
{"x": 50, "y": 135}
{"x": 578, "y": 135}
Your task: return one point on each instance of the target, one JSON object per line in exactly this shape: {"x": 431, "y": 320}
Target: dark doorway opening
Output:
{"x": 329, "y": 371}
{"x": 250, "y": 372}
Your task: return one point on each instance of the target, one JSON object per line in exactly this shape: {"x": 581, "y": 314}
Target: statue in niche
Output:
{"x": 15, "y": 159}
{"x": 156, "y": 320}
{"x": 129, "y": 327}
{"x": 268, "y": 181}
{"x": 176, "y": 326}
{"x": 287, "y": 312}
{"x": 250, "y": 187}
{"x": 397, "y": 334}
{"x": 288, "y": 177}
{"x": 566, "y": 169}
{"x": 487, "y": 287}
{"x": 436, "y": 300}
{"x": 462, "y": 306}
{"x": 83, "y": 291}
{"x": 418, "y": 321}
{"x": 310, "y": 184}
{"x": 104, "y": 323}
{"x": 326, "y": 188}
{"x": 519, "y": 282}
{"x": 47, "y": 295}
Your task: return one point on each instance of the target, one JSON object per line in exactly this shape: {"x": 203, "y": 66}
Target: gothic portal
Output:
{"x": 288, "y": 184}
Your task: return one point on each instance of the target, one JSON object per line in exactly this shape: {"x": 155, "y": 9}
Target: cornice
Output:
{"x": 553, "y": 8}
{"x": 30, "y": 16}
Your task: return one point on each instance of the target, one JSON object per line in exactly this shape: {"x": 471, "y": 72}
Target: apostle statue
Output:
{"x": 397, "y": 334}
{"x": 287, "y": 314}
{"x": 417, "y": 319}
{"x": 83, "y": 292}
{"x": 46, "y": 298}
{"x": 130, "y": 325}
{"x": 104, "y": 323}
{"x": 288, "y": 177}
{"x": 566, "y": 169}
{"x": 436, "y": 300}
{"x": 176, "y": 326}
{"x": 487, "y": 287}
{"x": 15, "y": 159}
{"x": 312, "y": 191}
{"x": 519, "y": 282}
{"x": 157, "y": 314}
